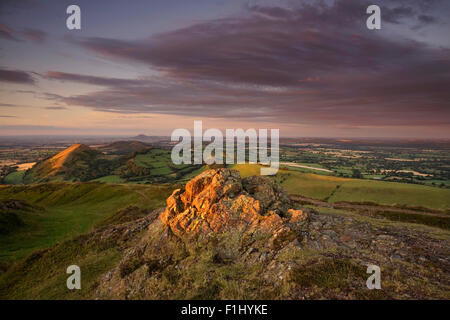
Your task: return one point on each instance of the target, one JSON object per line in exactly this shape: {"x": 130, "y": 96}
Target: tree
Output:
{"x": 356, "y": 174}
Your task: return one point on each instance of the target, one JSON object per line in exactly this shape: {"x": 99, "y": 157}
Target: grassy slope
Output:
{"x": 70, "y": 210}
{"x": 412, "y": 195}
{"x": 336, "y": 189}
{"x": 43, "y": 276}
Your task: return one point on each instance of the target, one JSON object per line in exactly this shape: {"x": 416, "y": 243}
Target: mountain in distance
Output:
{"x": 141, "y": 137}
{"x": 146, "y": 138}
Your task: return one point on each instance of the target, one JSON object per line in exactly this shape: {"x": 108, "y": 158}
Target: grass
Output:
{"x": 295, "y": 182}
{"x": 156, "y": 159}
{"x": 160, "y": 163}
{"x": 247, "y": 170}
{"x": 192, "y": 174}
{"x": 428, "y": 220}
{"x": 393, "y": 193}
{"x": 330, "y": 273}
{"x": 335, "y": 189}
{"x": 121, "y": 216}
{"x": 9, "y": 222}
{"x": 42, "y": 275}
{"x": 110, "y": 179}
{"x": 70, "y": 209}
{"x": 335, "y": 276}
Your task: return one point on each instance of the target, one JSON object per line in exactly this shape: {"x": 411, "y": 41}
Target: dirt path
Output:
{"x": 293, "y": 164}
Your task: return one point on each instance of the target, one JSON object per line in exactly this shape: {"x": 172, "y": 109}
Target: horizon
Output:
{"x": 130, "y": 136}
{"x": 310, "y": 69}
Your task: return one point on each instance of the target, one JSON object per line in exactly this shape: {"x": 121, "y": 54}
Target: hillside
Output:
{"x": 38, "y": 216}
{"x": 227, "y": 237}
{"x": 118, "y": 162}
{"x": 69, "y": 164}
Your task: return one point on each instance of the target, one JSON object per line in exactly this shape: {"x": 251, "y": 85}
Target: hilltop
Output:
{"x": 66, "y": 165}
{"x": 222, "y": 236}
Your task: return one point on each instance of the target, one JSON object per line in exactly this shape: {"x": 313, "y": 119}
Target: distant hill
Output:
{"x": 125, "y": 147}
{"x": 145, "y": 138}
{"x": 117, "y": 162}
{"x": 73, "y": 163}
{"x": 141, "y": 137}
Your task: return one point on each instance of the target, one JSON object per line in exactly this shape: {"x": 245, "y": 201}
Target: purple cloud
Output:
{"x": 56, "y": 108}
{"x": 35, "y": 35}
{"x": 7, "y": 33}
{"x": 16, "y": 76}
{"x": 94, "y": 80}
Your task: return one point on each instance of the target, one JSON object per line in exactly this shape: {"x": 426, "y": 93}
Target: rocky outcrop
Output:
{"x": 219, "y": 200}
{"x": 227, "y": 237}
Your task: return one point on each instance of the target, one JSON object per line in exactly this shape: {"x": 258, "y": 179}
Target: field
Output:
{"x": 415, "y": 162}
{"x": 161, "y": 167}
{"x": 334, "y": 189}
{"x": 63, "y": 210}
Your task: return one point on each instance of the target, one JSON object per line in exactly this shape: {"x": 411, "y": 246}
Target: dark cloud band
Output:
{"x": 312, "y": 63}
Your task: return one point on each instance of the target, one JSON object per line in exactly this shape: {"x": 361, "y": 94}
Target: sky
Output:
{"x": 309, "y": 68}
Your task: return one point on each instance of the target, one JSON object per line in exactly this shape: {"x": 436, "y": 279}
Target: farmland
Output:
{"x": 335, "y": 189}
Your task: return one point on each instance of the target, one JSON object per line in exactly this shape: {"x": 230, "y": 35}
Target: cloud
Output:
{"x": 94, "y": 80}
{"x": 35, "y": 35}
{"x": 16, "y": 76}
{"x": 396, "y": 14}
{"x": 426, "y": 19}
{"x": 309, "y": 64}
{"x": 7, "y": 33}
{"x": 56, "y": 108}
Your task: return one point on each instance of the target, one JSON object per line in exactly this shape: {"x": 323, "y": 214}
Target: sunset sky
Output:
{"x": 309, "y": 68}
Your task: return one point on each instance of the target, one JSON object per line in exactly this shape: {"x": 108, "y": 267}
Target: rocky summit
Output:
{"x": 219, "y": 201}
